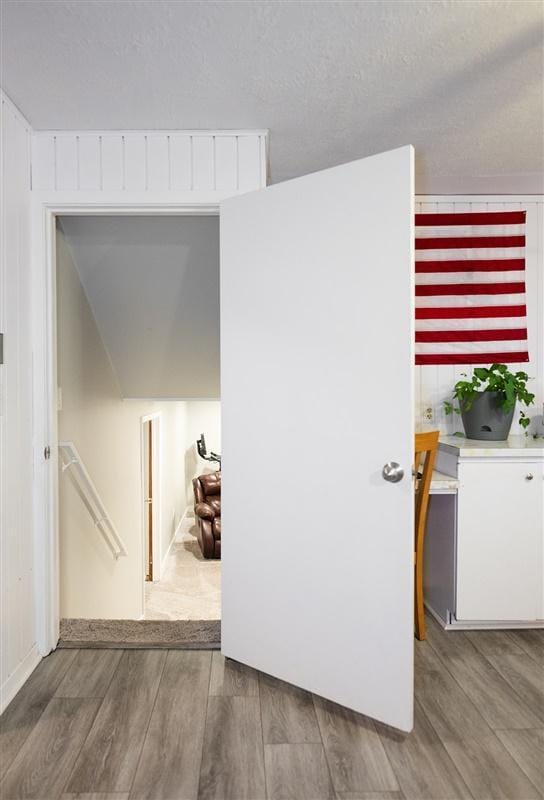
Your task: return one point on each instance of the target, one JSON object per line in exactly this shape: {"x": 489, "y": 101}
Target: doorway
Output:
{"x": 150, "y": 438}
{"x": 137, "y": 345}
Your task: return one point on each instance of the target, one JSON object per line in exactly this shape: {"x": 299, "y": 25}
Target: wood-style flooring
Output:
{"x": 188, "y": 725}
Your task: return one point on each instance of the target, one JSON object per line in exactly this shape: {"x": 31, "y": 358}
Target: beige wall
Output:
{"x": 107, "y": 433}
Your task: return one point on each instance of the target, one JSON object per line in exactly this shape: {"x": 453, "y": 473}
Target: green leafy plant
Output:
{"x": 512, "y": 386}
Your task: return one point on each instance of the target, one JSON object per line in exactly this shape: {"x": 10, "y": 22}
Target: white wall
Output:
{"x": 434, "y": 384}
{"x": 107, "y": 433}
{"x": 18, "y": 651}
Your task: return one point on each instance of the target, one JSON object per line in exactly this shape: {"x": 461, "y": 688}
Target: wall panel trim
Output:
{"x": 135, "y": 161}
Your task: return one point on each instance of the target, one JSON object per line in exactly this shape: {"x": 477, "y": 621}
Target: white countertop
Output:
{"x": 443, "y": 484}
{"x": 475, "y": 448}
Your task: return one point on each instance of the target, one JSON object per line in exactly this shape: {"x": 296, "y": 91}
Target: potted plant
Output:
{"x": 487, "y": 402}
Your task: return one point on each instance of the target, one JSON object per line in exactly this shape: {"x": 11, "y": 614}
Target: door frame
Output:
{"x": 45, "y": 208}
{"x": 154, "y": 420}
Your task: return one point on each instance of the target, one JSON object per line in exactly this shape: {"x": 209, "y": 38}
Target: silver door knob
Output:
{"x": 529, "y": 476}
{"x": 392, "y": 472}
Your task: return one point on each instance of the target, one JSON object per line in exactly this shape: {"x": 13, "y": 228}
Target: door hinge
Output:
{"x": 47, "y": 452}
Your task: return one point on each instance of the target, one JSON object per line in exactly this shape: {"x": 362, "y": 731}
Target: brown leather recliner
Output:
{"x": 207, "y": 490}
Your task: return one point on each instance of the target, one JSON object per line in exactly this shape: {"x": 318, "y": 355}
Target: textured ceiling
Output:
{"x": 333, "y": 81}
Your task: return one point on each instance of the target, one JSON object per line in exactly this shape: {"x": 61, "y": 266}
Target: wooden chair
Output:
{"x": 426, "y": 445}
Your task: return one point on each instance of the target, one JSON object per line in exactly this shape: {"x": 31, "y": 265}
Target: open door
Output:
{"x": 317, "y": 398}
{"x": 148, "y": 498}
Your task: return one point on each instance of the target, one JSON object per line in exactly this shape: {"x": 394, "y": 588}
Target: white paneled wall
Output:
{"x": 18, "y": 651}
{"x": 434, "y": 383}
{"x": 219, "y": 163}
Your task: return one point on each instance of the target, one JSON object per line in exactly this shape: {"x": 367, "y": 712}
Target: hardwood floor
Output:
{"x": 188, "y": 725}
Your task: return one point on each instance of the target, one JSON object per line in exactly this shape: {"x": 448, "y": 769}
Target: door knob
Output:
{"x": 392, "y": 472}
{"x": 529, "y": 476}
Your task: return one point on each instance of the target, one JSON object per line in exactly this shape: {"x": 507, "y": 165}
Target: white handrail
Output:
{"x": 71, "y": 460}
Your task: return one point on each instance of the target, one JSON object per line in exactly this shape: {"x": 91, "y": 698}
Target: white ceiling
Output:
{"x": 153, "y": 287}
{"x": 333, "y": 81}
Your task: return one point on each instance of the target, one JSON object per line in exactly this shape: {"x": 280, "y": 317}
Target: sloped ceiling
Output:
{"x": 153, "y": 287}
{"x": 333, "y": 81}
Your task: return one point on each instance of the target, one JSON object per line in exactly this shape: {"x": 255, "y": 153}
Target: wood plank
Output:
{"x": 297, "y": 772}
{"x": 497, "y": 702}
{"x": 24, "y": 711}
{"x": 181, "y": 170}
{"x": 66, "y": 162}
{"x": 158, "y": 162}
{"x": 249, "y": 163}
{"x": 135, "y": 160}
{"x": 355, "y": 753}
{"x": 420, "y": 761}
{"x": 226, "y": 163}
{"x": 110, "y": 755}
{"x": 89, "y": 162}
{"x": 230, "y": 678}
{"x": 369, "y": 796}
{"x": 169, "y": 765}
{"x": 111, "y": 148}
{"x": 232, "y": 758}
{"x": 89, "y": 674}
{"x": 43, "y": 765}
{"x": 203, "y": 163}
{"x": 447, "y": 644}
{"x": 483, "y": 762}
{"x": 490, "y": 643}
{"x": 95, "y": 796}
{"x": 532, "y": 642}
{"x": 288, "y": 713}
{"x": 527, "y": 749}
{"x": 43, "y": 162}
{"x": 526, "y": 677}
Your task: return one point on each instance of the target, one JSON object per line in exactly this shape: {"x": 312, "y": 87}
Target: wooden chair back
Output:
{"x": 426, "y": 445}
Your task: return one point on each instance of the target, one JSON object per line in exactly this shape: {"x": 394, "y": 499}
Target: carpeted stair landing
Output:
{"x": 127, "y": 633}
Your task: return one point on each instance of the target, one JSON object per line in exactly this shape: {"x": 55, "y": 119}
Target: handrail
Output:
{"x": 71, "y": 460}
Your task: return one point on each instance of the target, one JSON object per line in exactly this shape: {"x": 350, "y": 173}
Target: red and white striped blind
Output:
{"x": 470, "y": 288}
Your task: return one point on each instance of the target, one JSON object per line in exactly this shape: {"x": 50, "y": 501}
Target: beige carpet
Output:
{"x": 127, "y": 633}
{"x": 190, "y": 586}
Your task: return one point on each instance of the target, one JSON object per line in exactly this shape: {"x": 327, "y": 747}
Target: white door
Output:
{"x": 317, "y": 363}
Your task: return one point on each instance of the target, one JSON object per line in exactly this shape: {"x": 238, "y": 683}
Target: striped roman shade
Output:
{"x": 470, "y": 288}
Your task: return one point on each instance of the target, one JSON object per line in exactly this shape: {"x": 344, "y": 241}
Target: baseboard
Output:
{"x": 172, "y": 540}
{"x": 13, "y": 683}
{"x": 484, "y": 625}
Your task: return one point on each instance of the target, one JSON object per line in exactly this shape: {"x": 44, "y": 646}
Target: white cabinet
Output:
{"x": 486, "y": 548}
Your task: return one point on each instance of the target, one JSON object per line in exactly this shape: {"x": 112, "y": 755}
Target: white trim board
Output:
{"x": 169, "y": 160}
{"x": 479, "y": 198}
{"x": 172, "y": 540}
{"x": 18, "y": 677}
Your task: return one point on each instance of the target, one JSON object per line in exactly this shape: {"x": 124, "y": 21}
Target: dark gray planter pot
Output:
{"x": 486, "y": 419}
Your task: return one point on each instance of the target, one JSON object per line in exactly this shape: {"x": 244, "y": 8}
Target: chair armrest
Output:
{"x": 204, "y": 511}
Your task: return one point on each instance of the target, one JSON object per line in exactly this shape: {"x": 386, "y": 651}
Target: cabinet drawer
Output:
{"x": 500, "y": 540}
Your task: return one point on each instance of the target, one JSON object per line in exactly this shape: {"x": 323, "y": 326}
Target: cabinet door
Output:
{"x": 499, "y": 547}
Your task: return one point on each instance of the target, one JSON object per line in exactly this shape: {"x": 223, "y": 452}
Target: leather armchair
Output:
{"x": 207, "y": 491}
